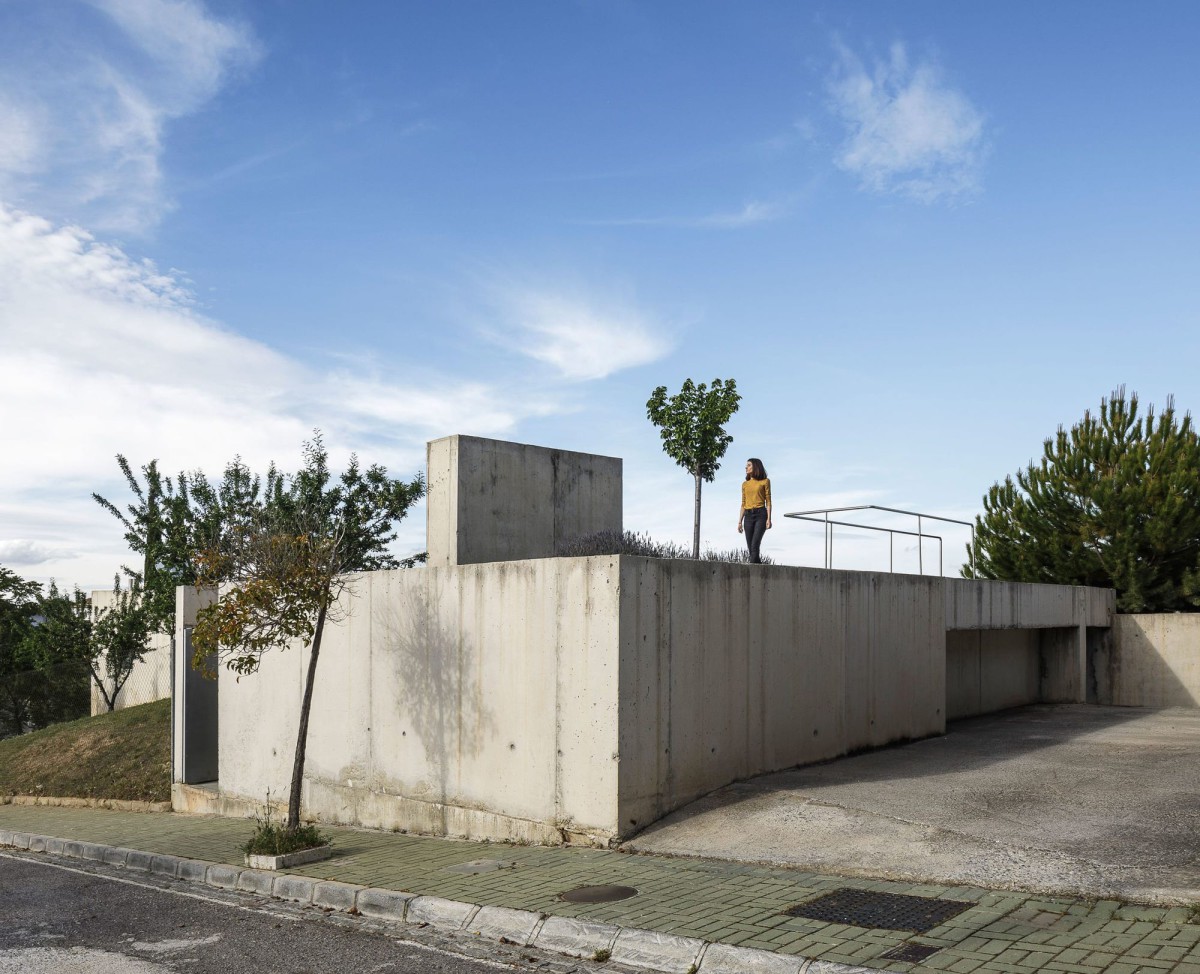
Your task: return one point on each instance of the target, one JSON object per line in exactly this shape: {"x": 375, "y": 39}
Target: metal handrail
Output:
{"x": 871, "y": 527}
{"x": 919, "y": 533}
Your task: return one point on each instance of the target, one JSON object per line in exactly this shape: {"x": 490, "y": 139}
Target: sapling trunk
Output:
{"x": 696, "y": 525}
{"x": 293, "y": 817}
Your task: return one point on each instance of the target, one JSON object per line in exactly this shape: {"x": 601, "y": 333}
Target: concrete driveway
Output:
{"x": 1094, "y": 801}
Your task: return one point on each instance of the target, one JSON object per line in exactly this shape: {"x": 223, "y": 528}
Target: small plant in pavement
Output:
{"x": 271, "y": 838}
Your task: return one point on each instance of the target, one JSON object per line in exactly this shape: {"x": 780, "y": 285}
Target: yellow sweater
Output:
{"x": 756, "y": 493}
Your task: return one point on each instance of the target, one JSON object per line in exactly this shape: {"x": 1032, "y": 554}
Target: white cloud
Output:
{"x": 20, "y": 137}
{"x": 102, "y": 354}
{"x": 756, "y": 211}
{"x": 908, "y": 131}
{"x": 22, "y": 551}
{"x": 82, "y": 120}
{"x": 582, "y": 338}
{"x": 751, "y": 213}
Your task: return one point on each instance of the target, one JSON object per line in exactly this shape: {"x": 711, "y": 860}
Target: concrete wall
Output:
{"x": 491, "y": 500}
{"x": 728, "y": 671}
{"x": 1151, "y": 660}
{"x": 991, "y": 669}
{"x": 583, "y": 697}
{"x": 151, "y": 676}
{"x": 975, "y": 604}
{"x": 504, "y": 694}
{"x": 476, "y": 701}
{"x": 1015, "y": 643}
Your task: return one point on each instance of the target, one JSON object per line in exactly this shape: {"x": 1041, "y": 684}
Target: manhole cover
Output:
{"x": 597, "y": 894}
{"x": 910, "y": 953}
{"x": 879, "y": 911}
{"x": 480, "y": 866}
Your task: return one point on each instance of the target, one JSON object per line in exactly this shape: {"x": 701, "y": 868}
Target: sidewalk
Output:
{"x": 709, "y": 902}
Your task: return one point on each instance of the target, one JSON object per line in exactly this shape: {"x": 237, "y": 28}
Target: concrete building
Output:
{"x": 501, "y": 692}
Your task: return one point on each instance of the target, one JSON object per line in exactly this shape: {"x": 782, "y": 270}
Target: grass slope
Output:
{"x": 124, "y": 755}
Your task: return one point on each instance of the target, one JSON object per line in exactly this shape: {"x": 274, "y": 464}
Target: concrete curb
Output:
{"x": 114, "y": 804}
{"x": 649, "y": 949}
{"x": 658, "y": 951}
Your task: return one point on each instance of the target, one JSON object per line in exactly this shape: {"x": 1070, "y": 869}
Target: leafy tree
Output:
{"x": 1114, "y": 501}
{"x": 281, "y": 568}
{"x": 169, "y": 521}
{"x": 42, "y": 680}
{"x": 160, "y": 526}
{"x": 120, "y": 638}
{"x": 104, "y": 644}
{"x": 18, "y": 609}
{"x": 693, "y": 431}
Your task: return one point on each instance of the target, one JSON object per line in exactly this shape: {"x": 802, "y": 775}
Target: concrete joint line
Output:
{"x": 504, "y": 923}
{"x": 297, "y": 889}
{"x": 383, "y": 904}
{"x": 537, "y": 929}
{"x": 656, "y": 951}
{"x": 440, "y": 913}
{"x": 574, "y": 937}
{"x": 141, "y": 861}
{"x": 332, "y": 895}
{"x": 165, "y": 866}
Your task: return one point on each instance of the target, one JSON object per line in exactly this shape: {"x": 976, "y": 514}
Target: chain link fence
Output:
{"x": 33, "y": 699}
{"x": 150, "y": 679}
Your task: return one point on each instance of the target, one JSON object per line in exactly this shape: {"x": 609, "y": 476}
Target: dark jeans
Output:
{"x": 754, "y": 523}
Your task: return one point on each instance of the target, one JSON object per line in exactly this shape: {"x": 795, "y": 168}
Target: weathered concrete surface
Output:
{"x": 499, "y": 693}
{"x": 583, "y": 698}
{"x": 981, "y": 604}
{"x": 1096, "y": 801}
{"x": 988, "y": 670}
{"x": 732, "y": 670}
{"x": 1151, "y": 661}
{"x": 491, "y": 500}
{"x": 476, "y": 701}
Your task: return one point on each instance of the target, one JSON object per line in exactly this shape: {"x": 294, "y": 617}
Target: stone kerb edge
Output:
{"x": 566, "y": 935}
{"x": 113, "y": 804}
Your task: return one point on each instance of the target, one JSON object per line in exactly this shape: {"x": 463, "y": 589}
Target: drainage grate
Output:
{"x": 910, "y": 953}
{"x": 879, "y": 911}
{"x": 598, "y": 894}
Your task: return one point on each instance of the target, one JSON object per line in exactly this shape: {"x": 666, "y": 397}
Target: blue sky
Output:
{"x": 919, "y": 236}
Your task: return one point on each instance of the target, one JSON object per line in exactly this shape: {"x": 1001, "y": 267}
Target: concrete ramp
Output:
{"x": 1072, "y": 799}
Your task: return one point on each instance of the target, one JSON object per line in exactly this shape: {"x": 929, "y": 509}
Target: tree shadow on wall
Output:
{"x": 434, "y": 669}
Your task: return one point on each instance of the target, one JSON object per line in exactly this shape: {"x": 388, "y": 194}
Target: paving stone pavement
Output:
{"x": 713, "y": 901}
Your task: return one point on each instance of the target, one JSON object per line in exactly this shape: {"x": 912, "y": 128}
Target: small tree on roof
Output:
{"x": 281, "y": 567}
{"x": 693, "y": 431}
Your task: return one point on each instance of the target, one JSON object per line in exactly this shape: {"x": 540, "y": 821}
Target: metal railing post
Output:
{"x": 828, "y": 524}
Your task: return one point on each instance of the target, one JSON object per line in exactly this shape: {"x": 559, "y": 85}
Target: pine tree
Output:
{"x": 1113, "y": 502}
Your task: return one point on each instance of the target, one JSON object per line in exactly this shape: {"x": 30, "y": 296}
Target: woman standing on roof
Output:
{"x": 755, "y": 511}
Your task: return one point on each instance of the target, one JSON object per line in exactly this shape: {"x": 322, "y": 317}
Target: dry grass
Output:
{"x": 124, "y": 755}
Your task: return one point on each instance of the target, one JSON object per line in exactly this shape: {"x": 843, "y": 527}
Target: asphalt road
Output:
{"x": 60, "y": 916}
